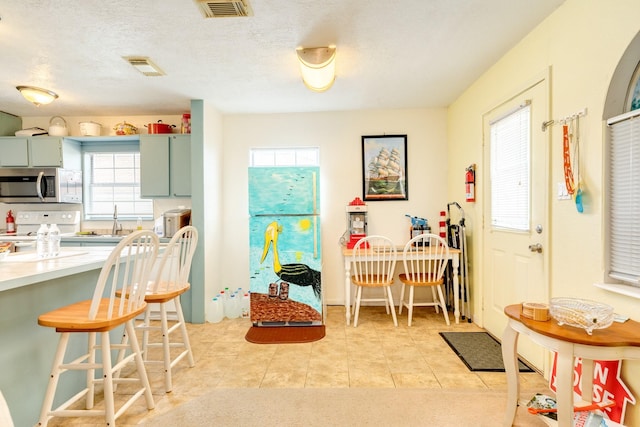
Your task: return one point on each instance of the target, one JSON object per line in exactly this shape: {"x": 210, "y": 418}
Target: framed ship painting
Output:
{"x": 384, "y": 167}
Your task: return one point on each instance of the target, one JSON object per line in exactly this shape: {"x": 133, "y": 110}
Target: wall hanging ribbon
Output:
{"x": 571, "y": 161}
{"x": 571, "y": 136}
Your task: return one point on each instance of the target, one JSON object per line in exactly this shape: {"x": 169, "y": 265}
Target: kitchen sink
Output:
{"x": 97, "y": 235}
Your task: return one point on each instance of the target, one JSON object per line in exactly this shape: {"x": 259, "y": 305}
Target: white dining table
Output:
{"x": 454, "y": 256}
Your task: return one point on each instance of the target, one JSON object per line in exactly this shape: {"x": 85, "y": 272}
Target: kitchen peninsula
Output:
{"x": 28, "y": 288}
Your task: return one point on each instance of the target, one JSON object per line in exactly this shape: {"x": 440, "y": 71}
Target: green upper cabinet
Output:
{"x": 39, "y": 151}
{"x": 165, "y": 165}
{"x": 14, "y": 152}
{"x": 180, "y": 151}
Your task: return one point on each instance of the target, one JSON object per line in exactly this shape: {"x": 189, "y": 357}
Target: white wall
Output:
{"x": 338, "y": 134}
{"x": 208, "y": 205}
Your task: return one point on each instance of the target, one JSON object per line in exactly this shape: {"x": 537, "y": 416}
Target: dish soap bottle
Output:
{"x": 42, "y": 241}
{"x": 54, "y": 240}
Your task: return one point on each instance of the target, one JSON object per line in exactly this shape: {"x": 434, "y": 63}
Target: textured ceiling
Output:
{"x": 390, "y": 54}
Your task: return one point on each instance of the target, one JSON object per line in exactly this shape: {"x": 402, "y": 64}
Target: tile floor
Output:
{"x": 375, "y": 354}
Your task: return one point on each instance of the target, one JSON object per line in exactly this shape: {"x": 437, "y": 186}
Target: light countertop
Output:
{"x": 25, "y": 268}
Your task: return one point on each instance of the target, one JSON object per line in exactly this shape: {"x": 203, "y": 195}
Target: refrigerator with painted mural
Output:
{"x": 285, "y": 253}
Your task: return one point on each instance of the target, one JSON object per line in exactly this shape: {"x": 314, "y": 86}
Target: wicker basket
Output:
{"x": 581, "y": 313}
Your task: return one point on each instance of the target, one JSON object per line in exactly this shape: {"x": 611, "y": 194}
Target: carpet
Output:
{"x": 323, "y": 407}
{"x": 284, "y": 334}
{"x": 479, "y": 351}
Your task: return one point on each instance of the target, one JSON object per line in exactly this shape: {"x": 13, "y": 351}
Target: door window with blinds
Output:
{"x": 624, "y": 198}
{"x": 510, "y": 170}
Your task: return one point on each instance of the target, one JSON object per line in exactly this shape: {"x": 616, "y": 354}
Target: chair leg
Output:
{"x": 121, "y": 355}
{"x": 357, "y": 309}
{"x": 107, "y": 375}
{"x": 47, "y": 404}
{"x": 145, "y": 332}
{"x": 185, "y": 335}
{"x": 401, "y": 303}
{"x": 166, "y": 348}
{"x": 410, "y": 307}
{"x": 393, "y": 307}
{"x": 444, "y": 307}
{"x": 142, "y": 372}
{"x": 91, "y": 373}
{"x": 435, "y": 298}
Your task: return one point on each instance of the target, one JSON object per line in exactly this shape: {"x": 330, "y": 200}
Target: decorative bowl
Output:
{"x": 125, "y": 128}
{"x": 581, "y": 313}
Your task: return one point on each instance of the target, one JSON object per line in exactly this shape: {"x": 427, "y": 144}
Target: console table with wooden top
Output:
{"x": 617, "y": 342}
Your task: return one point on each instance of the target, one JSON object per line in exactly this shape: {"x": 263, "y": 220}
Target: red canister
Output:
{"x": 185, "y": 127}
{"x": 159, "y": 127}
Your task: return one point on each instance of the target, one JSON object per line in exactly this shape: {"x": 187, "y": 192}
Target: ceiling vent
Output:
{"x": 224, "y": 8}
{"x": 144, "y": 65}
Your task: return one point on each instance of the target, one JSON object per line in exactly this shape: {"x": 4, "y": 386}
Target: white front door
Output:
{"x": 515, "y": 267}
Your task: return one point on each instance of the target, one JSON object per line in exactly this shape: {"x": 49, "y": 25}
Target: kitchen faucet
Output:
{"x": 116, "y": 225}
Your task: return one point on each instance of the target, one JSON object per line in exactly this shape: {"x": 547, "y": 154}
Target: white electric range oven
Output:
{"x": 28, "y": 222}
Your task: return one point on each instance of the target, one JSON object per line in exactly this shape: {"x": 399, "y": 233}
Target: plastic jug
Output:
{"x": 54, "y": 240}
{"x": 42, "y": 241}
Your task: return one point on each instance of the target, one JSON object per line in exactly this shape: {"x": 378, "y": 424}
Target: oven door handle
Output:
{"x": 39, "y": 185}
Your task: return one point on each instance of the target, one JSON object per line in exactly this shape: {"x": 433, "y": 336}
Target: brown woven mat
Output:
{"x": 284, "y": 334}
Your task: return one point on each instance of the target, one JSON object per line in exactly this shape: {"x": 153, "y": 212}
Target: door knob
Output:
{"x": 536, "y": 248}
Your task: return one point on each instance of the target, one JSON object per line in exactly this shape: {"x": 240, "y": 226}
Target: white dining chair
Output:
{"x": 373, "y": 266}
{"x": 168, "y": 283}
{"x": 424, "y": 272}
{"x": 128, "y": 265}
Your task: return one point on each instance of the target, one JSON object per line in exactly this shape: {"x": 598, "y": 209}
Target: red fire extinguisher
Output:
{"x": 11, "y": 223}
{"x": 470, "y": 183}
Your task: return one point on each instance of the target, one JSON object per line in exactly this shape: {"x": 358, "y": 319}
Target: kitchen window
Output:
{"x": 299, "y": 156}
{"x": 112, "y": 178}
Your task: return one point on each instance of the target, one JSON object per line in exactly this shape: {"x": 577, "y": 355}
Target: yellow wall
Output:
{"x": 581, "y": 44}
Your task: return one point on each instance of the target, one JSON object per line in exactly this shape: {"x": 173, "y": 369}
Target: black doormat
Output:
{"x": 479, "y": 351}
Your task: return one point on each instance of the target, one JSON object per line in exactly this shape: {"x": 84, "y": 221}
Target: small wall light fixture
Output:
{"x": 37, "y": 95}
{"x": 318, "y": 67}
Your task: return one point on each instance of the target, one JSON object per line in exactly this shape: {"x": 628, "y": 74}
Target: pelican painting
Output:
{"x": 285, "y": 250}
{"x": 297, "y": 273}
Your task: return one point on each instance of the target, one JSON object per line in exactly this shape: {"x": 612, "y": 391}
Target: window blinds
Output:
{"x": 510, "y": 170}
{"x": 624, "y": 197}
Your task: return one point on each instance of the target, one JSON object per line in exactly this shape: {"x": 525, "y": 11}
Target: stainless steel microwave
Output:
{"x": 40, "y": 185}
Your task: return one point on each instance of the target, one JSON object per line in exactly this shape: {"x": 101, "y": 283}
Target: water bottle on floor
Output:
{"x": 234, "y": 308}
{"x": 215, "y": 313}
{"x": 246, "y": 306}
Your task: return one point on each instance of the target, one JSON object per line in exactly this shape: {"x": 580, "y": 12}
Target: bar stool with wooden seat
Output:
{"x": 169, "y": 281}
{"x": 422, "y": 272}
{"x": 128, "y": 265}
{"x": 374, "y": 262}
